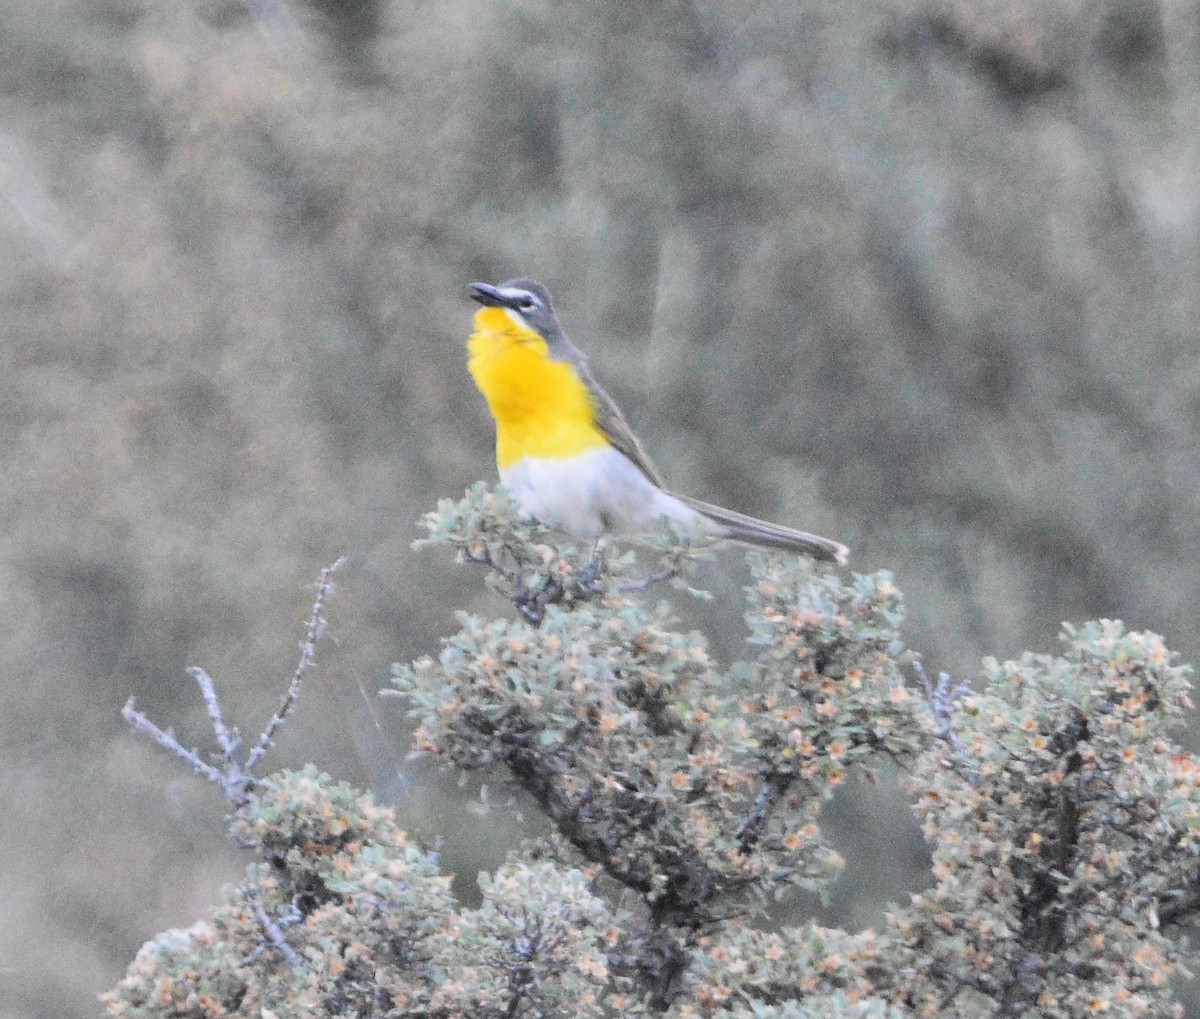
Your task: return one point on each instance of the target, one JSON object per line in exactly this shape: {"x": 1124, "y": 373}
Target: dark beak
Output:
{"x": 489, "y": 297}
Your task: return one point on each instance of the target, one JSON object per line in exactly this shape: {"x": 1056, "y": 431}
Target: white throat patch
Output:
{"x": 516, "y": 317}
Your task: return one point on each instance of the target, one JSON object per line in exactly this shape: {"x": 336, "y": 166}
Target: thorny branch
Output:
{"x": 236, "y": 777}
{"x": 313, "y": 633}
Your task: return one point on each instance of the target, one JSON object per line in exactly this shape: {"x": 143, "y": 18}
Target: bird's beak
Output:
{"x": 489, "y": 297}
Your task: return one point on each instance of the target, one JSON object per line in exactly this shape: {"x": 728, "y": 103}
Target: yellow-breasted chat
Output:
{"x": 563, "y": 448}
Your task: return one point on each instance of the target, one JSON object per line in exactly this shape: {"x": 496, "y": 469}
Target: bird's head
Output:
{"x": 526, "y": 302}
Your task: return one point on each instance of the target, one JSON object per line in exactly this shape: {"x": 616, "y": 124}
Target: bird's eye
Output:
{"x": 526, "y": 303}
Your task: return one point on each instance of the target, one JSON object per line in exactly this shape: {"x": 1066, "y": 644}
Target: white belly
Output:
{"x": 593, "y": 493}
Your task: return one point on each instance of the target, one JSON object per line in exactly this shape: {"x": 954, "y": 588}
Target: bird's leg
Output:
{"x": 589, "y": 575}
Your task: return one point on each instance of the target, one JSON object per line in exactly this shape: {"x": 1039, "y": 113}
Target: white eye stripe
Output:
{"x": 523, "y": 299}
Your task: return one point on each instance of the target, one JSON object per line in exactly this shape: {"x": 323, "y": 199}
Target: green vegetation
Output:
{"x": 681, "y": 797}
{"x": 920, "y": 275}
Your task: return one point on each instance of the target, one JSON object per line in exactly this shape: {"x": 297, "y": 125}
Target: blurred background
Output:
{"x": 921, "y": 275}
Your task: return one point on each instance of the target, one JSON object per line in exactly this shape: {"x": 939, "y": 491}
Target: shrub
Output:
{"x": 681, "y": 795}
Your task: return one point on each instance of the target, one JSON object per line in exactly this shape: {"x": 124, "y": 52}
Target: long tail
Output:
{"x": 752, "y": 531}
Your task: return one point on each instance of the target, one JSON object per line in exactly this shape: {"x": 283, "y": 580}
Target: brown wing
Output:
{"x": 612, "y": 423}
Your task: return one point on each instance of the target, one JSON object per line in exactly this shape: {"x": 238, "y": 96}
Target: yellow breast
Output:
{"x": 541, "y": 407}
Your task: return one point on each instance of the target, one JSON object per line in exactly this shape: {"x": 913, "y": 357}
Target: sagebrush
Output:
{"x": 681, "y": 794}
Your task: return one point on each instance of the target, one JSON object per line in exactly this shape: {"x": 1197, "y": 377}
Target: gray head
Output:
{"x": 526, "y": 300}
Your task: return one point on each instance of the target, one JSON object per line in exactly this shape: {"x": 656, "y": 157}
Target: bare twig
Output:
{"x": 750, "y": 830}
{"x": 316, "y": 627}
{"x": 166, "y": 738}
{"x": 942, "y": 698}
{"x": 273, "y": 929}
{"x": 236, "y": 778}
{"x": 647, "y": 582}
{"x": 229, "y": 739}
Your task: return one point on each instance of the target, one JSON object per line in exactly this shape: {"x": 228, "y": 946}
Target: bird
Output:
{"x": 564, "y": 449}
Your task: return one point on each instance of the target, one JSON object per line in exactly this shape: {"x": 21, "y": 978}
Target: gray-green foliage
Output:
{"x": 680, "y": 793}
{"x": 373, "y": 926}
{"x": 835, "y": 268}
{"x": 1069, "y": 837}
